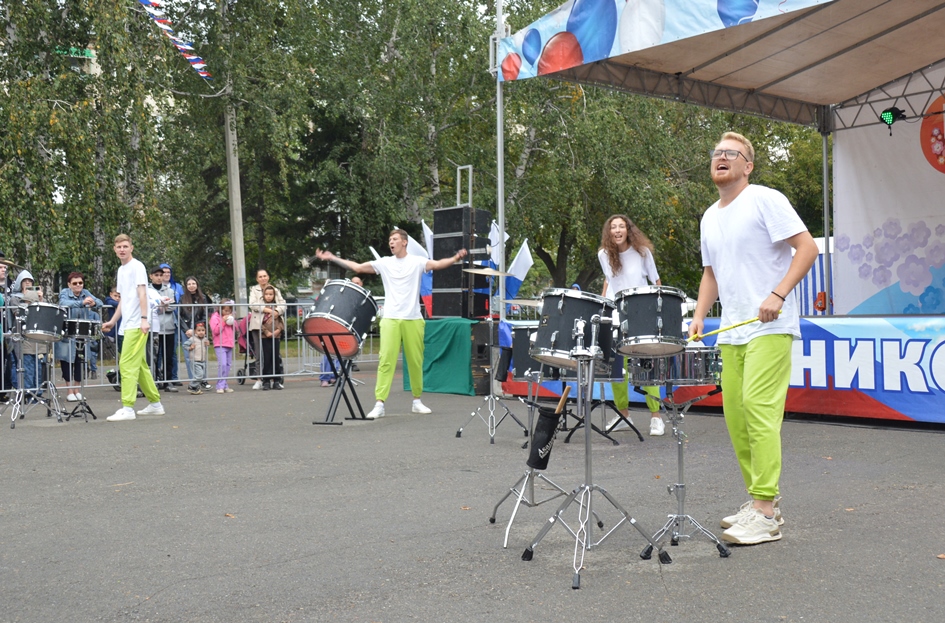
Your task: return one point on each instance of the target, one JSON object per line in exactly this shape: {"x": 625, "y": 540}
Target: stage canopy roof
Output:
{"x": 829, "y": 64}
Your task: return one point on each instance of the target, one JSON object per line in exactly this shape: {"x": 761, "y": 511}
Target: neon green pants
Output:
{"x": 755, "y": 378}
{"x": 622, "y": 395}
{"x": 393, "y": 334}
{"x": 134, "y": 369}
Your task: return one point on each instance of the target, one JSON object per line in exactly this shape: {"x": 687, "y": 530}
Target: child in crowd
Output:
{"x": 273, "y": 327}
{"x": 197, "y": 345}
{"x": 223, "y": 327}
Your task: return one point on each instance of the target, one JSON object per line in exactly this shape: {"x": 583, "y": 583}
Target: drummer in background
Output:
{"x": 402, "y": 322}
{"x": 626, "y": 257}
{"x": 27, "y": 351}
{"x": 78, "y": 301}
{"x": 747, "y": 242}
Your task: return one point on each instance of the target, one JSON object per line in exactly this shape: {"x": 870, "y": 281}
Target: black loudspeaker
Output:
{"x": 522, "y": 362}
{"x": 454, "y": 293}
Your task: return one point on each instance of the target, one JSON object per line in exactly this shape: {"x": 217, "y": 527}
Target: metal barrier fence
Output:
{"x": 98, "y": 358}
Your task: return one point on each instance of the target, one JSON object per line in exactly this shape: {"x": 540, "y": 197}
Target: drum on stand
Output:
{"x": 81, "y": 328}
{"x": 554, "y": 341}
{"x": 43, "y": 322}
{"x": 696, "y": 365}
{"x": 650, "y": 321}
{"x": 344, "y": 311}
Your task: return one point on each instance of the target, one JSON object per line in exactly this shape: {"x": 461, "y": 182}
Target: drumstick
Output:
{"x": 564, "y": 398}
{"x": 734, "y": 326}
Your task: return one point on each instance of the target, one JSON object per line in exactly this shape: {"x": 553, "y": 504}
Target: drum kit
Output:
{"x": 337, "y": 325}
{"x": 587, "y": 333}
{"x": 44, "y": 324}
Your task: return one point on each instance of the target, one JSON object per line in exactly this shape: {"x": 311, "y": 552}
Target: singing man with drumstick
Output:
{"x": 402, "y": 322}
{"x": 747, "y": 238}
{"x": 626, "y": 257}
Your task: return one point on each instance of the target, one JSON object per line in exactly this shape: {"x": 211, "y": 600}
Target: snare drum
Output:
{"x": 43, "y": 322}
{"x": 82, "y": 329}
{"x": 650, "y": 321}
{"x": 343, "y": 313}
{"x": 560, "y": 308}
{"x": 696, "y": 365}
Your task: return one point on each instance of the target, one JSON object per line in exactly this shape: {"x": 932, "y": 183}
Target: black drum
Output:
{"x": 82, "y": 329}
{"x": 43, "y": 322}
{"x": 343, "y": 313}
{"x": 650, "y": 321}
{"x": 560, "y": 308}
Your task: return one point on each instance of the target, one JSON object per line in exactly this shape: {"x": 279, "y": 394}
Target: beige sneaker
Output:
{"x": 746, "y": 508}
{"x": 752, "y": 529}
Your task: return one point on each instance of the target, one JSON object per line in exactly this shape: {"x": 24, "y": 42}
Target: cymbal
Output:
{"x": 489, "y": 272}
{"x": 7, "y": 262}
{"x": 524, "y": 302}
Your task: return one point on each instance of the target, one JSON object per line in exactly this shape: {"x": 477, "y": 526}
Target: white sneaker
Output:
{"x": 752, "y": 529}
{"x": 257, "y": 385}
{"x": 155, "y": 408}
{"x": 125, "y": 413}
{"x": 72, "y": 398}
{"x": 657, "y": 427}
{"x": 618, "y": 423}
{"x": 419, "y": 407}
{"x": 376, "y": 412}
{"x": 745, "y": 509}
{"x": 78, "y": 396}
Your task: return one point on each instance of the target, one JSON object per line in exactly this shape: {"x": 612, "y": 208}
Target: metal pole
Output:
{"x": 500, "y": 157}
{"x": 828, "y": 267}
{"x": 236, "y": 206}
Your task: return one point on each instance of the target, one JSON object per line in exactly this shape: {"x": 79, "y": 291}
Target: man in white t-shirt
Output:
{"x": 133, "y": 287}
{"x": 402, "y": 322}
{"x": 747, "y": 242}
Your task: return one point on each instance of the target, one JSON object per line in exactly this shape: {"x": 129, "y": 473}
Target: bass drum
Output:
{"x": 340, "y": 319}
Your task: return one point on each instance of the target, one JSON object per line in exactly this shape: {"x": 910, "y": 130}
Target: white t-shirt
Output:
{"x": 634, "y": 271}
{"x": 744, "y": 243}
{"x": 401, "y": 277}
{"x": 130, "y": 276}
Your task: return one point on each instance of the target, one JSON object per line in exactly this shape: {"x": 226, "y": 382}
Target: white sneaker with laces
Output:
{"x": 657, "y": 427}
{"x": 376, "y": 412}
{"x": 746, "y": 508}
{"x": 155, "y": 408}
{"x": 752, "y": 529}
{"x": 123, "y": 414}
{"x": 419, "y": 407}
{"x": 257, "y": 385}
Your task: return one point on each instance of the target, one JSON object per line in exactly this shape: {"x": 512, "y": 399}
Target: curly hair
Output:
{"x": 635, "y": 237}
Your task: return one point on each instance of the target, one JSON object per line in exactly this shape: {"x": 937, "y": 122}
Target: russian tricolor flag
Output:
{"x": 518, "y": 268}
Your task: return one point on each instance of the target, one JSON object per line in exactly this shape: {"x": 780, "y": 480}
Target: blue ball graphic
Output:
{"x": 735, "y": 12}
{"x": 594, "y": 24}
{"x": 531, "y": 46}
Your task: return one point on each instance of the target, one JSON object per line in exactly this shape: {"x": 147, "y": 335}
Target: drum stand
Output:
{"x": 19, "y": 402}
{"x": 675, "y": 523}
{"x": 490, "y": 401}
{"x": 82, "y": 409}
{"x": 343, "y": 373}
{"x": 583, "y": 493}
{"x": 524, "y": 487}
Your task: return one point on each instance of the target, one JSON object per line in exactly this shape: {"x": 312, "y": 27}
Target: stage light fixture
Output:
{"x": 891, "y": 115}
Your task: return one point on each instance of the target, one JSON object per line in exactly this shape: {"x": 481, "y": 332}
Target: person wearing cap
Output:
{"x": 132, "y": 283}
{"x": 576, "y": 286}
{"x": 179, "y": 336}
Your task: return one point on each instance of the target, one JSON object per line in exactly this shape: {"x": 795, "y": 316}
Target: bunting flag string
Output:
{"x": 153, "y": 9}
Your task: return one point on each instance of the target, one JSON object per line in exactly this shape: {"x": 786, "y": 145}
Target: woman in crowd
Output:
{"x": 258, "y": 309}
{"x": 193, "y": 311}
{"x": 71, "y": 355}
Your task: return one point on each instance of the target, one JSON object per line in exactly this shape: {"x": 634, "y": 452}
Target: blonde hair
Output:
{"x": 122, "y": 238}
{"x": 735, "y": 136}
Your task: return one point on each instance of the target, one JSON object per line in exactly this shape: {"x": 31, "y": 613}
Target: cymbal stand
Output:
{"x": 674, "y": 525}
{"x": 491, "y": 400}
{"x": 524, "y": 487}
{"x": 82, "y": 409}
{"x": 583, "y": 493}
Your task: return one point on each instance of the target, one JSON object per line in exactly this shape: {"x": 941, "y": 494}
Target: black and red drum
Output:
{"x": 650, "y": 321}
{"x": 342, "y": 315}
{"x": 555, "y": 339}
{"x": 43, "y": 322}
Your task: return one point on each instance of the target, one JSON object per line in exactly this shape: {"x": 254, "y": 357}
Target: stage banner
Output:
{"x": 889, "y": 217}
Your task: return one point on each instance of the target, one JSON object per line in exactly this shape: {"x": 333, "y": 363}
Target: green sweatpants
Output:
{"x": 755, "y": 378}
{"x": 134, "y": 369}
{"x": 393, "y": 334}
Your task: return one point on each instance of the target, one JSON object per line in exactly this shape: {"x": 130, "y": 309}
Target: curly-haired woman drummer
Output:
{"x": 626, "y": 257}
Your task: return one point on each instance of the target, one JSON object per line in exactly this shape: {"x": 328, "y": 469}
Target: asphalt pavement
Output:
{"x": 236, "y": 507}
